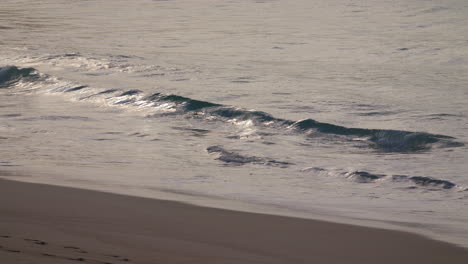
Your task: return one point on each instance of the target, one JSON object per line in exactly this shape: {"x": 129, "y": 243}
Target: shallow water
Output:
{"x": 348, "y": 109}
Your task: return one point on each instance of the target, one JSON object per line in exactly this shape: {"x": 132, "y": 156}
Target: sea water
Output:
{"x": 354, "y": 111}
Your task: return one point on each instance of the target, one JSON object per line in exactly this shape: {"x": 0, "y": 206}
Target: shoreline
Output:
{"x": 51, "y": 224}
{"x": 318, "y": 212}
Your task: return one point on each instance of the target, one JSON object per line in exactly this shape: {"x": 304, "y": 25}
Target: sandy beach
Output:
{"x": 49, "y": 224}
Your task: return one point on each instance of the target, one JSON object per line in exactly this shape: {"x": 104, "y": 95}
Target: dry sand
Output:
{"x": 49, "y": 224}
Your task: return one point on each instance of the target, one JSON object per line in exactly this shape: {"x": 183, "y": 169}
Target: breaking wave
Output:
{"x": 426, "y": 181}
{"x": 169, "y": 104}
{"x": 234, "y": 158}
{"x": 368, "y": 177}
{"x": 10, "y": 75}
{"x": 384, "y": 139}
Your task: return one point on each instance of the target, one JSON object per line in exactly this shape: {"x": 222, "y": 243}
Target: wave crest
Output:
{"x": 381, "y": 139}
{"x": 10, "y": 75}
{"x": 384, "y": 139}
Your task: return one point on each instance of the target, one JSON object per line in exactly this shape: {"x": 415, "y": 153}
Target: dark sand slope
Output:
{"x": 47, "y": 224}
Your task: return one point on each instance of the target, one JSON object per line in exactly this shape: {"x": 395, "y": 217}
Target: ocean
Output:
{"x": 346, "y": 110}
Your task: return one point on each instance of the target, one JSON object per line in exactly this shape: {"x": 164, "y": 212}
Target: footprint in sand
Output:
{"x": 119, "y": 257}
{"x": 73, "y": 248}
{"x": 36, "y": 241}
{"x": 77, "y": 249}
{"x": 70, "y": 247}
{"x": 77, "y": 259}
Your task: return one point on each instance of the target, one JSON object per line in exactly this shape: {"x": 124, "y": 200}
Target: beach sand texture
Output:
{"x": 49, "y": 224}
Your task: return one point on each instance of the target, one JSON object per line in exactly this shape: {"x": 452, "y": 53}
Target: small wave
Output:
{"x": 183, "y": 104}
{"x": 385, "y": 140}
{"x": 196, "y": 132}
{"x": 243, "y": 115}
{"x": 80, "y": 62}
{"x": 426, "y": 181}
{"x": 55, "y": 118}
{"x": 130, "y": 92}
{"x": 169, "y": 104}
{"x": 368, "y": 177}
{"x": 109, "y": 91}
{"x": 363, "y": 176}
{"x": 442, "y": 116}
{"x": 237, "y": 159}
{"x": 138, "y": 134}
{"x": 10, "y": 75}
{"x": 77, "y": 88}
{"x": 377, "y": 113}
{"x": 313, "y": 169}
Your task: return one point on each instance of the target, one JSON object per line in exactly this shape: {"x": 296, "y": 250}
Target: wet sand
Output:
{"x": 49, "y": 224}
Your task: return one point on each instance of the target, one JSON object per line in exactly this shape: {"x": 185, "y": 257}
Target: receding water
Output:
{"x": 350, "y": 110}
